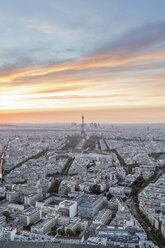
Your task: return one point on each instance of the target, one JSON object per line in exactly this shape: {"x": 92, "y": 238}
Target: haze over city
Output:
{"x": 60, "y": 59}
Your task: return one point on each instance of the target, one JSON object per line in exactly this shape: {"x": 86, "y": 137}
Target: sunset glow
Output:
{"x": 121, "y": 79}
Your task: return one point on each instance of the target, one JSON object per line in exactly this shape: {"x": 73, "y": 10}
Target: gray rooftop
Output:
{"x": 15, "y": 244}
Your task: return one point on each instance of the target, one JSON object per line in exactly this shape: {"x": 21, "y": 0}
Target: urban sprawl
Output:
{"x": 85, "y": 184}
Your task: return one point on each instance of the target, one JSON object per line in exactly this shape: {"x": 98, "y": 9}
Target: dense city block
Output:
{"x": 88, "y": 184}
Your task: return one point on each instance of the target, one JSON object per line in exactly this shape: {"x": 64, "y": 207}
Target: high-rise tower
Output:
{"x": 83, "y": 135}
{"x": 2, "y": 165}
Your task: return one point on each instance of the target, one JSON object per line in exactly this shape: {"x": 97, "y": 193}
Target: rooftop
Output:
{"x": 13, "y": 244}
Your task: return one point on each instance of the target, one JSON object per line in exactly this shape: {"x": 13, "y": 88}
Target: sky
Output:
{"x": 60, "y": 59}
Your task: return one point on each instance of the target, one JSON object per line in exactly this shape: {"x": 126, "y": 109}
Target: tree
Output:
{"x": 53, "y": 233}
{"x": 61, "y": 232}
{"x": 78, "y": 231}
{"x": 95, "y": 189}
{"x": 109, "y": 196}
{"x": 77, "y": 188}
{"x": 55, "y": 186}
{"x": 2, "y": 198}
{"x": 124, "y": 198}
{"x": 70, "y": 233}
{"x": 6, "y": 214}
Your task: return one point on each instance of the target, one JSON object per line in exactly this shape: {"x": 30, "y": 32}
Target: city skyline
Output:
{"x": 61, "y": 59}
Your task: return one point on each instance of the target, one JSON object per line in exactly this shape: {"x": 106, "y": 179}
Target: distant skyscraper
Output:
{"x": 2, "y": 165}
{"x": 1, "y": 169}
{"x": 83, "y": 135}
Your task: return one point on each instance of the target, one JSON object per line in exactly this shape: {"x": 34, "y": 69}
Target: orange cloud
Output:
{"x": 110, "y": 80}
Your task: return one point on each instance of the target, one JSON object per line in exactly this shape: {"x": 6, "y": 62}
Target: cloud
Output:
{"x": 137, "y": 43}
{"x": 137, "y": 39}
{"x": 130, "y": 70}
{"x": 43, "y": 27}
